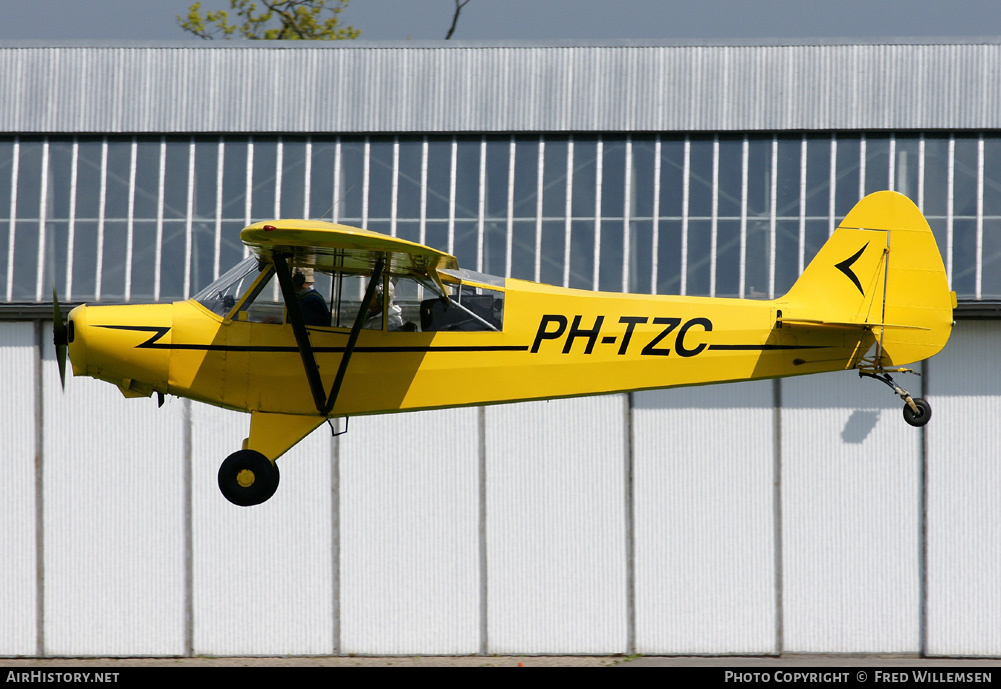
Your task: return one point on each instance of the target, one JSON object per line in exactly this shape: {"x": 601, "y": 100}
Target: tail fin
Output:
{"x": 881, "y": 270}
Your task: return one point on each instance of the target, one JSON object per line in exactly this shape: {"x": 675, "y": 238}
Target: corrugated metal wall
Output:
{"x": 800, "y": 515}
{"x": 964, "y": 474}
{"x": 445, "y": 87}
{"x": 851, "y": 517}
{"x": 704, "y": 525}
{"x": 19, "y": 493}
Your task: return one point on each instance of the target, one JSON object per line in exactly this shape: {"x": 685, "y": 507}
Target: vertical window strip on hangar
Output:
{"x": 151, "y": 218}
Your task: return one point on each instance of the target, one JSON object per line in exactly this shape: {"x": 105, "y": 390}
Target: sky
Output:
{"x": 397, "y": 20}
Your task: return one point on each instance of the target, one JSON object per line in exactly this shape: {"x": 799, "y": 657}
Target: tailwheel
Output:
{"x": 248, "y": 478}
{"x": 920, "y": 415}
{"x": 917, "y": 411}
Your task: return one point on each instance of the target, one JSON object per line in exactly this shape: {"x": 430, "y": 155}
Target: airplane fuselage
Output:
{"x": 555, "y": 343}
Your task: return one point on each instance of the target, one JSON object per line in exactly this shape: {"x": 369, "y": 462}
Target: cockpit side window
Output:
{"x": 391, "y": 307}
{"x": 411, "y": 304}
{"x": 468, "y": 309}
{"x": 250, "y": 292}
{"x": 266, "y": 304}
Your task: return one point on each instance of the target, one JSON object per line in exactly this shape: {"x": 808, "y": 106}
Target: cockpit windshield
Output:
{"x": 221, "y": 296}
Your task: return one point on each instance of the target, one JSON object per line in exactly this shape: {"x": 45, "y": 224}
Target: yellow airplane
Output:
{"x": 398, "y": 326}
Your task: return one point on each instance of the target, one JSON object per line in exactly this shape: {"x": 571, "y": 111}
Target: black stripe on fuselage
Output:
{"x": 762, "y": 347}
{"x": 160, "y": 331}
{"x": 328, "y": 350}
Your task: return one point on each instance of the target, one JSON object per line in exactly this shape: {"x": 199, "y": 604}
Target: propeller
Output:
{"x": 59, "y": 338}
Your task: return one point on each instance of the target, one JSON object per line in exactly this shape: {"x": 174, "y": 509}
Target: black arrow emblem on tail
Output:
{"x": 846, "y": 267}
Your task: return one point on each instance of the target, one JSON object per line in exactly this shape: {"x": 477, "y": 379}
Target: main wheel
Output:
{"x": 923, "y": 414}
{"x": 248, "y": 478}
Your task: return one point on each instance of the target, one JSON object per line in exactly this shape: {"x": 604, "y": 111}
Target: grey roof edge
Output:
{"x": 446, "y": 87}
{"x": 243, "y": 44}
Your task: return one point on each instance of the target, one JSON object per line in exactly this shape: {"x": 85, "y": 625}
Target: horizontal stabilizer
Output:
{"x": 844, "y": 324}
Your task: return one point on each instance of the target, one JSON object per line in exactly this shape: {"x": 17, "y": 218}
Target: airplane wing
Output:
{"x": 328, "y": 246}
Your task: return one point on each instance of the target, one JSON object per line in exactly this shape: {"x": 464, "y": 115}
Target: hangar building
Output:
{"x": 792, "y": 516}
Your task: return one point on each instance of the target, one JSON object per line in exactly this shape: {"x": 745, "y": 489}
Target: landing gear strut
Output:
{"x": 917, "y": 411}
{"x": 248, "y": 478}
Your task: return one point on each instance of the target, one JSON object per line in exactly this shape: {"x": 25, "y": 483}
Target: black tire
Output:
{"x": 253, "y": 487}
{"x": 922, "y": 416}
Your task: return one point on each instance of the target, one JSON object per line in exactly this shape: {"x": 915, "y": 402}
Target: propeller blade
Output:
{"x": 59, "y": 337}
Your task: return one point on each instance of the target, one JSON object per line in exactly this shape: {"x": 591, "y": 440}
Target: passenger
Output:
{"x": 314, "y": 308}
{"x": 373, "y": 317}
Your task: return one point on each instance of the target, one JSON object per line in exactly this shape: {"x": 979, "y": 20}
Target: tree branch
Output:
{"x": 459, "y": 4}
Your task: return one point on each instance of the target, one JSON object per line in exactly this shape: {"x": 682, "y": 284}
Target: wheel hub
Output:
{"x": 245, "y": 478}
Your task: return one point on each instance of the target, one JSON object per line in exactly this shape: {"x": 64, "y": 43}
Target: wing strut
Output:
{"x": 299, "y": 329}
{"x": 323, "y": 404}
{"x": 355, "y": 331}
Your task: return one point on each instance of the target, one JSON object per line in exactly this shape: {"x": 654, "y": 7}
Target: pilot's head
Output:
{"x": 375, "y": 305}
{"x": 302, "y": 278}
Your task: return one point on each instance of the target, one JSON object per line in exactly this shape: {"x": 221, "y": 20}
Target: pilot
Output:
{"x": 373, "y": 316}
{"x": 314, "y": 308}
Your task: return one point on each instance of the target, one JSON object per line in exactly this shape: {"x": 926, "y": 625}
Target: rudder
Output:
{"x": 882, "y": 270}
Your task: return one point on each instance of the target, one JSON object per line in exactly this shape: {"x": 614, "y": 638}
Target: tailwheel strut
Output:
{"x": 917, "y": 411}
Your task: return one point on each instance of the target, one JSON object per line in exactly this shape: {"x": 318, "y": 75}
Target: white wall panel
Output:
{"x": 263, "y": 574}
{"x": 114, "y": 513}
{"x": 18, "y": 573}
{"x": 964, "y": 482}
{"x": 851, "y": 496}
{"x": 391, "y": 540}
{"x": 704, "y": 515}
{"x": 410, "y": 565}
{"x": 556, "y": 526}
